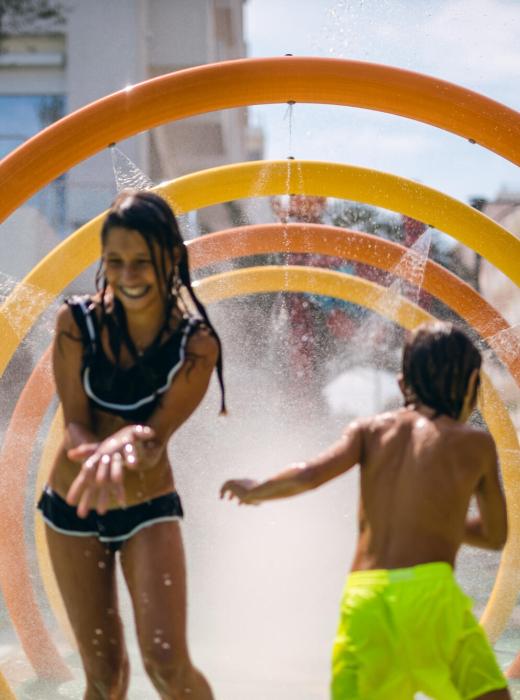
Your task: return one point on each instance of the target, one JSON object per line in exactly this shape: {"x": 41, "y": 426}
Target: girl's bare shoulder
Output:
{"x": 203, "y": 344}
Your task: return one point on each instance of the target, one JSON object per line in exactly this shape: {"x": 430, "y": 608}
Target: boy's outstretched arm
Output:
{"x": 304, "y": 476}
{"x": 489, "y": 529}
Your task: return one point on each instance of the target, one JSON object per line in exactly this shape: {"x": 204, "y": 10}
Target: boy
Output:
{"x": 405, "y": 625}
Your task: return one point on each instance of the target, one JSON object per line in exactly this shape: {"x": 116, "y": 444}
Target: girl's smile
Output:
{"x": 130, "y": 270}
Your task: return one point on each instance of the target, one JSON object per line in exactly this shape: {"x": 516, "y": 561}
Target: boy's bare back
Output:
{"x": 418, "y": 474}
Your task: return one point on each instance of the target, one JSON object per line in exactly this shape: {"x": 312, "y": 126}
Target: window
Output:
{"x": 23, "y": 116}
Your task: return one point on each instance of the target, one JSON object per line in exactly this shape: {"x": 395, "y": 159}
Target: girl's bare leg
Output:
{"x": 85, "y": 572}
{"x": 154, "y": 568}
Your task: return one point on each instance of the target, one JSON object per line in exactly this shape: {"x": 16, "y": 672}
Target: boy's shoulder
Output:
{"x": 481, "y": 439}
{"x": 466, "y": 431}
{"x": 384, "y": 420}
{"x": 404, "y": 418}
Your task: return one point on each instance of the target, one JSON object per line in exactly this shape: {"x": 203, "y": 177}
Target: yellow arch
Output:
{"x": 81, "y": 249}
{"x": 5, "y": 691}
{"x": 254, "y": 81}
{"x": 264, "y": 279}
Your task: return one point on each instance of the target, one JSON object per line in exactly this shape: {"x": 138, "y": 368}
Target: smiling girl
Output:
{"x": 131, "y": 364}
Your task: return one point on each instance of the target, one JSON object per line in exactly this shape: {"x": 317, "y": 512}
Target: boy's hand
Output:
{"x": 239, "y": 489}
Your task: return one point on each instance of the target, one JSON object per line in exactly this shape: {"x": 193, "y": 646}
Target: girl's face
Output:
{"x": 130, "y": 271}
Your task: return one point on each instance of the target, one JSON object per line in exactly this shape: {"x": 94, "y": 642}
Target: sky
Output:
{"x": 473, "y": 43}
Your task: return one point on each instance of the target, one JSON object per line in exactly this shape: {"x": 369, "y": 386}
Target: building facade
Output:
{"x": 52, "y": 66}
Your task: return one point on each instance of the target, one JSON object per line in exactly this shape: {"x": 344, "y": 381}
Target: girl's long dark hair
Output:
{"x": 438, "y": 360}
{"x": 151, "y": 216}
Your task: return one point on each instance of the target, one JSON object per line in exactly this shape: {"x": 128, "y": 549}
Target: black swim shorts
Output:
{"x": 113, "y": 528}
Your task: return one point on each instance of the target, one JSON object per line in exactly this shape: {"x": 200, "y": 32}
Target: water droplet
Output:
{"x": 99, "y": 630}
{"x": 165, "y": 645}
{"x": 102, "y": 565}
{"x": 99, "y": 653}
{"x": 156, "y": 640}
{"x": 95, "y": 641}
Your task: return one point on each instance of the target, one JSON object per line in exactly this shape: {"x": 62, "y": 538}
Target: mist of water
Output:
{"x": 127, "y": 174}
{"x": 32, "y": 303}
{"x": 332, "y": 38}
{"x": 506, "y": 342}
{"x": 377, "y": 340}
{"x": 408, "y": 277}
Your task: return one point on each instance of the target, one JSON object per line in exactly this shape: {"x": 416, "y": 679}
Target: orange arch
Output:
{"x": 358, "y": 247}
{"x": 210, "y": 249}
{"x": 250, "y": 81}
{"x": 15, "y": 579}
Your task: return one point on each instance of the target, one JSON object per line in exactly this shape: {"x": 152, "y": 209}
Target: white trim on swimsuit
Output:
{"x": 118, "y": 538}
{"x": 147, "y": 399}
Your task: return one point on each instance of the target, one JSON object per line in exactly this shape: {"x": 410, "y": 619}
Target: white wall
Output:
{"x": 106, "y": 51}
{"x": 179, "y": 33}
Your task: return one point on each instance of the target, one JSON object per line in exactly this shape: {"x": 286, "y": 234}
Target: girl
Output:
{"x": 131, "y": 364}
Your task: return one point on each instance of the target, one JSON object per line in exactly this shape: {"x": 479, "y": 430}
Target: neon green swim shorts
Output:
{"x": 404, "y": 631}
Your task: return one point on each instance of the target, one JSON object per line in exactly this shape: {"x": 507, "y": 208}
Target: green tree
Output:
{"x": 17, "y": 16}
{"x": 361, "y": 217}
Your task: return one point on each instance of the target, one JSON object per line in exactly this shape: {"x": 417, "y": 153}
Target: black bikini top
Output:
{"x": 132, "y": 392}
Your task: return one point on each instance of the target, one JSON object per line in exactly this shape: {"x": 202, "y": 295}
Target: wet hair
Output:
{"x": 438, "y": 360}
{"x": 152, "y": 217}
